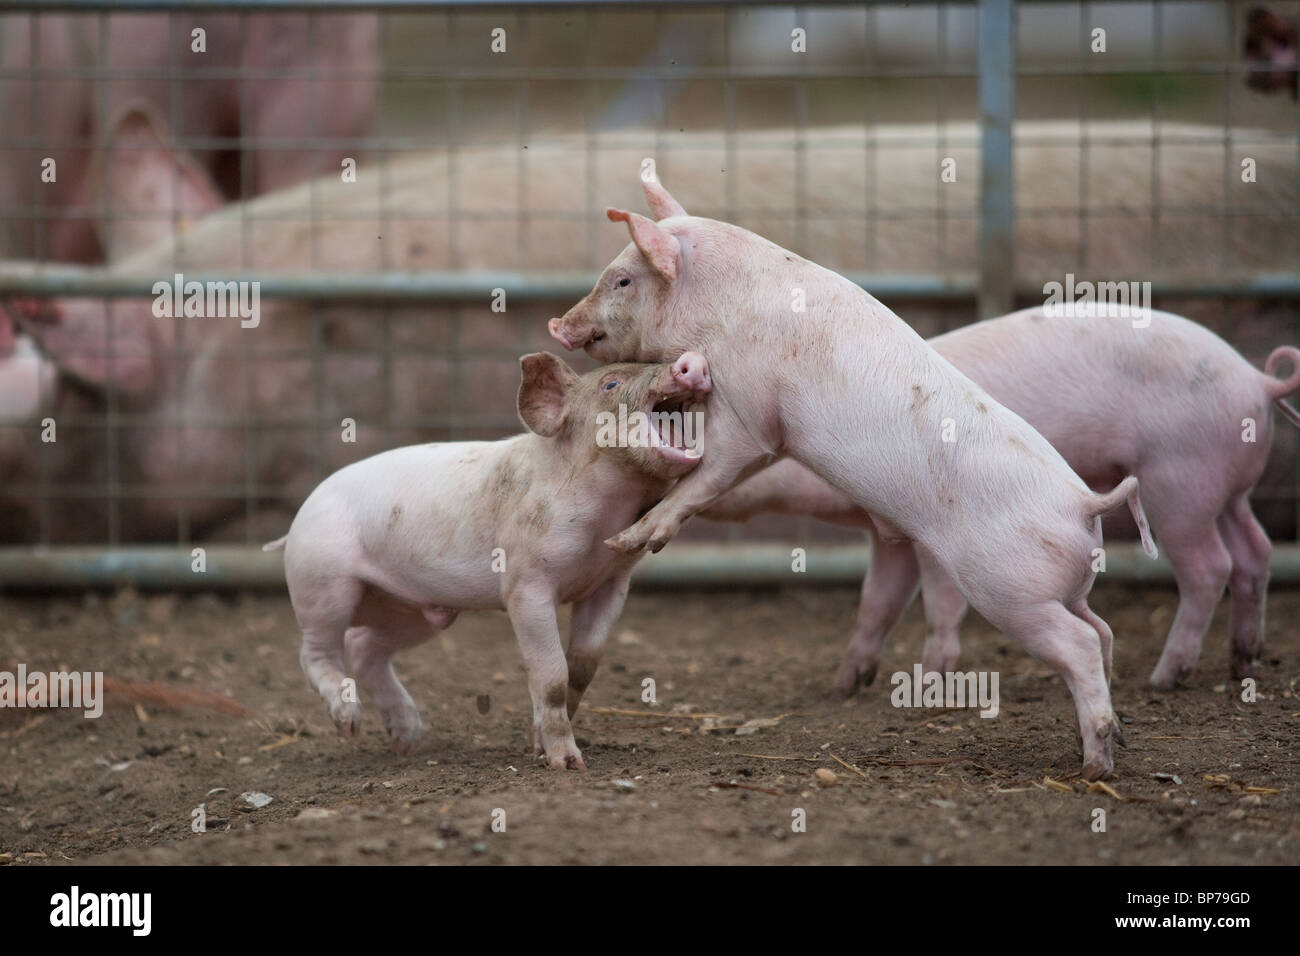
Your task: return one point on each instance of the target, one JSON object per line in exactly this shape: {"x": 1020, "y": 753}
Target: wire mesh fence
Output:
{"x": 416, "y": 188}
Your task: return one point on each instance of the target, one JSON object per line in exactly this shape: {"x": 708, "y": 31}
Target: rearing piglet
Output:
{"x": 807, "y": 364}
{"x": 387, "y": 551}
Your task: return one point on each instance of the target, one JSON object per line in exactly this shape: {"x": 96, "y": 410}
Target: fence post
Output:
{"x": 997, "y": 67}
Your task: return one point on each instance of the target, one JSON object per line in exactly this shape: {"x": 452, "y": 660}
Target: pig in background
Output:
{"x": 67, "y": 76}
{"x": 1165, "y": 401}
{"x": 387, "y": 551}
{"x": 210, "y": 413}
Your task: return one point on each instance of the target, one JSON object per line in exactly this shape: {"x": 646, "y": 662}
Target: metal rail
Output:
{"x": 687, "y": 564}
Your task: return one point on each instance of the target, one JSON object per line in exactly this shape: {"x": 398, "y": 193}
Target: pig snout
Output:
{"x": 691, "y": 371}
{"x": 561, "y": 335}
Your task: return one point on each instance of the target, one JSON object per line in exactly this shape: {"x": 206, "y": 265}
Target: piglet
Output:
{"x": 387, "y": 551}
{"x": 807, "y": 365}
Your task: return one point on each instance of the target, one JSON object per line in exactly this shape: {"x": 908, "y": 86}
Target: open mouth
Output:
{"x": 676, "y": 431}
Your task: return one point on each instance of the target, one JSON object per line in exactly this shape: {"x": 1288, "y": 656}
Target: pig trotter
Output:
{"x": 854, "y": 675}
{"x": 1100, "y": 765}
{"x": 562, "y": 754}
{"x": 1169, "y": 675}
{"x": 626, "y": 542}
{"x": 1243, "y": 665}
{"x": 346, "y": 716}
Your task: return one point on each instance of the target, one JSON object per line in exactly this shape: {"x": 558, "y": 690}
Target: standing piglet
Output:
{"x": 388, "y": 550}
{"x": 807, "y": 364}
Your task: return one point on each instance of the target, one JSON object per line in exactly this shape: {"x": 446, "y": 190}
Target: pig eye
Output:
{"x": 624, "y": 283}
{"x": 610, "y": 385}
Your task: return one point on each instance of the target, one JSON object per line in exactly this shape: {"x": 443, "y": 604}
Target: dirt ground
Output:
{"x": 936, "y": 786}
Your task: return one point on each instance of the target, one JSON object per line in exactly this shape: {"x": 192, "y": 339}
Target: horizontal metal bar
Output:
{"x": 738, "y": 73}
{"x": 687, "y": 564}
{"x": 405, "y": 286}
{"x": 58, "y": 280}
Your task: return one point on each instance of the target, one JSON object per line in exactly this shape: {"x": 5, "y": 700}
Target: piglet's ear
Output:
{"x": 661, "y": 202}
{"x": 657, "y": 244}
{"x": 544, "y": 392}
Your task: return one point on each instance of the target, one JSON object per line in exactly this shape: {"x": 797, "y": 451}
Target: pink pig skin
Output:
{"x": 388, "y": 550}
{"x": 846, "y": 388}
{"x": 65, "y": 110}
{"x": 1165, "y": 401}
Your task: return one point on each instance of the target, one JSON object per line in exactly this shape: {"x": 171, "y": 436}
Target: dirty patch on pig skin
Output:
{"x": 942, "y": 787}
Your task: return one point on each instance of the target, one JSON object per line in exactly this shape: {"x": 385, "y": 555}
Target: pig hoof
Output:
{"x": 569, "y": 759}
{"x": 347, "y": 718}
{"x": 1099, "y": 768}
{"x": 404, "y": 731}
{"x": 1117, "y": 730}
{"x": 853, "y": 677}
{"x": 1243, "y": 666}
{"x": 1168, "y": 676}
{"x": 623, "y": 544}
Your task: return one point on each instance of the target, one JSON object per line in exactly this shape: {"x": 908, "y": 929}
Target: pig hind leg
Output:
{"x": 1248, "y": 544}
{"x": 1202, "y": 565}
{"x": 888, "y": 589}
{"x": 1072, "y": 647}
{"x": 370, "y": 649}
{"x": 945, "y": 606}
{"x": 324, "y": 615}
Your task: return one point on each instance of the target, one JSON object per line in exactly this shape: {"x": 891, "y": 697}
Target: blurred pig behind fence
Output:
{"x": 261, "y": 102}
{"x": 212, "y": 427}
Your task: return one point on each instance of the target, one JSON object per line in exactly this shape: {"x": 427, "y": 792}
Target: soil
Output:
{"x": 931, "y": 786}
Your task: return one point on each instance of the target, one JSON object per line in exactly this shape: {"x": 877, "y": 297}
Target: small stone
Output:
{"x": 256, "y": 800}
{"x": 315, "y": 814}
{"x": 825, "y": 777}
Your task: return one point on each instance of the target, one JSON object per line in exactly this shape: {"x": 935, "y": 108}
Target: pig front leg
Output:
{"x": 887, "y": 590}
{"x": 532, "y": 612}
{"x": 592, "y": 618}
{"x": 728, "y": 460}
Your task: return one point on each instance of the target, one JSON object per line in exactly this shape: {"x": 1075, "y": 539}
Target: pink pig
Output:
{"x": 808, "y": 365}
{"x": 1152, "y": 394}
{"x": 387, "y": 551}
